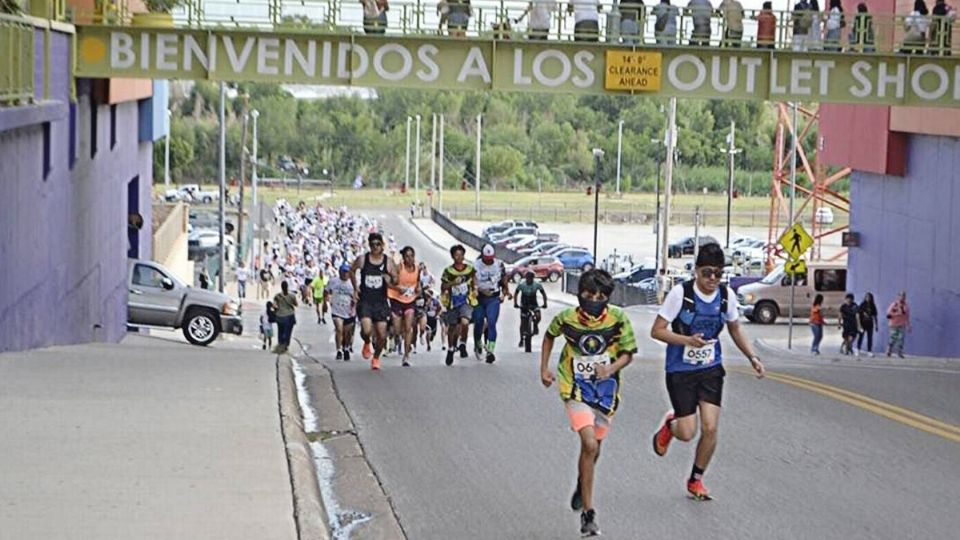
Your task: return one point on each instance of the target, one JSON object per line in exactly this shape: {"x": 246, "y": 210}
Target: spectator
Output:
{"x": 586, "y": 19}
{"x": 916, "y": 25}
{"x": 665, "y": 28}
{"x": 204, "y": 278}
{"x": 942, "y": 32}
{"x": 286, "y": 305}
{"x": 266, "y": 276}
{"x": 801, "y": 25}
{"x": 632, "y": 15}
{"x": 766, "y": 27}
{"x": 816, "y": 323}
{"x": 458, "y": 16}
{"x": 898, "y": 319}
{"x": 374, "y": 16}
{"x": 242, "y": 274}
{"x": 732, "y": 11}
{"x": 862, "y": 38}
{"x": 868, "y": 323}
{"x": 700, "y": 11}
{"x": 849, "y": 323}
{"x": 267, "y": 318}
{"x": 541, "y": 16}
{"x": 835, "y": 24}
{"x": 815, "y": 35}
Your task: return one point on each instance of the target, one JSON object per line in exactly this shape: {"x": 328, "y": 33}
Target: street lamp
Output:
{"x": 253, "y": 181}
{"x": 166, "y": 153}
{"x": 731, "y": 151}
{"x": 619, "y": 145}
{"x": 416, "y": 170}
{"x": 597, "y": 154}
{"x": 656, "y": 219}
{"x": 406, "y": 174}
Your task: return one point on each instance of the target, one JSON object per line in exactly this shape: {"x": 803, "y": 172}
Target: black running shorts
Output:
{"x": 375, "y": 311}
{"x": 688, "y": 388}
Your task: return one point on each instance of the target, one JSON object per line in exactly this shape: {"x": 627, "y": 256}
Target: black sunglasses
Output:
{"x": 708, "y": 273}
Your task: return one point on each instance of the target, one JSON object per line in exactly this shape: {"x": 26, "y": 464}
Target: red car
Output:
{"x": 544, "y": 267}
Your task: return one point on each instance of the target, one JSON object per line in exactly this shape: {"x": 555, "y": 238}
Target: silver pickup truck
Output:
{"x": 159, "y": 299}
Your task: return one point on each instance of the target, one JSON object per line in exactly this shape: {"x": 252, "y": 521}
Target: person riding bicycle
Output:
{"x": 525, "y": 297}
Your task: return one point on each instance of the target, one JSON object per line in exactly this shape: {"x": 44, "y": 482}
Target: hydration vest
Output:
{"x": 698, "y": 317}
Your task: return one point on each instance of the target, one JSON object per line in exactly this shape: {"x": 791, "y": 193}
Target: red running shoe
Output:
{"x": 697, "y": 491}
{"x": 663, "y": 436}
{"x": 367, "y": 352}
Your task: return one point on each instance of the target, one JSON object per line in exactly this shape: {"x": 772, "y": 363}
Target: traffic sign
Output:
{"x": 795, "y": 241}
{"x": 795, "y": 267}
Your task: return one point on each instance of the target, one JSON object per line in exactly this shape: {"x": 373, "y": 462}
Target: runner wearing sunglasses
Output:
{"x": 690, "y": 322}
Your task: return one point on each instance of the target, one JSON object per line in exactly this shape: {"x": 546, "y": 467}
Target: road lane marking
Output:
{"x": 881, "y": 408}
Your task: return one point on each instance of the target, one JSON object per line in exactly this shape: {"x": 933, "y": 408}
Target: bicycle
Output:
{"x": 527, "y": 331}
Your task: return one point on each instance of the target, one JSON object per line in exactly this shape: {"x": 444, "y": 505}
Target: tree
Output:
{"x": 498, "y": 163}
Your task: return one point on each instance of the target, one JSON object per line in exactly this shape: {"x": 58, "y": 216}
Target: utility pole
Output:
{"x": 166, "y": 153}
{"x": 668, "y": 188}
{"x": 416, "y": 171}
{"x": 440, "y": 171}
{"x": 696, "y": 233}
{"x": 433, "y": 159}
{"x": 656, "y": 219}
{"x": 406, "y": 174}
{"x": 476, "y": 168}
{"x": 223, "y": 183}
{"x": 731, "y": 151}
{"x": 597, "y": 155}
{"x": 793, "y": 197}
{"x": 619, "y": 152}
{"x": 255, "y": 209}
{"x": 243, "y": 179}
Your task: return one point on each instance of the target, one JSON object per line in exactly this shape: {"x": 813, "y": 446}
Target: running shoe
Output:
{"x": 367, "y": 352}
{"x": 450, "y": 357}
{"x": 588, "y": 523}
{"x": 346, "y": 355}
{"x": 663, "y": 436}
{"x": 406, "y": 363}
{"x": 576, "y": 501}
{"x": 339, "y": 355}
{"x": 375, "y": 364}
{"x": 463, "y": 350}
{"x": 478, "y": 353}
{"x": 491, "y": 358}
{"x": 697, "y": 491}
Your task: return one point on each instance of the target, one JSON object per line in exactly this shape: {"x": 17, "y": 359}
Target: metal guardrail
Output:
{"x": 507, "y": 255}
{"x": 17, "y": 67}
{"x": 617, "y": 23}
{"x": 623, "y": 295}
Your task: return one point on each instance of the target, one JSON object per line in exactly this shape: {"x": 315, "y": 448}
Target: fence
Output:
{"x": 623, "y": 295}
{"x": 470, "y": 239}
{"x": 561, "y": 214}
{"x": 16, "y": 60}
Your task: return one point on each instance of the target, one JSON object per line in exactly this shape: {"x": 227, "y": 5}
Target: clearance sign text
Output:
{"x": 420, "y": 62}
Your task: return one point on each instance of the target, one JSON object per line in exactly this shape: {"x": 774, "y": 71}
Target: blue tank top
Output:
{"x": 698, "y": 317}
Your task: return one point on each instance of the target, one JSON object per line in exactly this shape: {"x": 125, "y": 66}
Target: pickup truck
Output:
{"x": 191, "y": 193}
{"x": 158, "y": 299}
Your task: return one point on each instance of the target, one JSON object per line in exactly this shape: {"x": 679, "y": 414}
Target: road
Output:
{"x": 484, "y": 451}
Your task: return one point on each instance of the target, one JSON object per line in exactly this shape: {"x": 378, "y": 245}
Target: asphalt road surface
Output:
{"x": 484, "y": 451}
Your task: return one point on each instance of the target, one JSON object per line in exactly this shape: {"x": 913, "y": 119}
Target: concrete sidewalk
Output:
{"x": 144, "y": 439}
{"x": 830, "y": 350}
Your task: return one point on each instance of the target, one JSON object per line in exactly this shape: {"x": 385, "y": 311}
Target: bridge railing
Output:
{"x": 617, "y": 23}
{"x": 16, "y": 60}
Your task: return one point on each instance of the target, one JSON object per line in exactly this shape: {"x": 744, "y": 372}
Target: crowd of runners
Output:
{"x": 345, "y": 266}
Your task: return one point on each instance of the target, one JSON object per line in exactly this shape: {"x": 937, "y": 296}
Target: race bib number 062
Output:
{"x": 700, "y": 356}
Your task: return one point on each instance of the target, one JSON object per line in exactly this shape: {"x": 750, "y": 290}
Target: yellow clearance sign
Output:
{"x": 636, "y": 71}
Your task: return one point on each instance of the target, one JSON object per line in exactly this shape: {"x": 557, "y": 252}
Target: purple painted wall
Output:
{"x": 63, "y": 236}
{"x": 910, "y": 240}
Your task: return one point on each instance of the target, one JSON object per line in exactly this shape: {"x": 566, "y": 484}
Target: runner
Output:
{"x": 403, "y": 297}
{"x": 319, "y": 284}
{"x": 599, "y": 343}
{"x": 525, "y": 297}
{"x": 339, "y": 294}
{"x": 431, "y": 314}
{"x": 690, "y": 322}
{"x": 376, "y": 270}
{"x": 458, "y": 295}
{"x": 492, "y": 288}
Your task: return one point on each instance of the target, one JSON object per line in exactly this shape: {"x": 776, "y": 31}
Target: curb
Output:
{"x": 308, "y": 510}
{"x": 838, "y": 360}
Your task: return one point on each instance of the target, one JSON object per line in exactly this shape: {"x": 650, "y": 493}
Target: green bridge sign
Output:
{"x": 546, "y": 66}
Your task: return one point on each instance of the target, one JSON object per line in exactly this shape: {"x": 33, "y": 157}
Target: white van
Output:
{"x": 769, "y": 298}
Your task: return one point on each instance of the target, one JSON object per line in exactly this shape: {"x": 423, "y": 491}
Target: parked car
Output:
{"x": 769, "y": 298}
{"x": 504, "y": 238}
{"x": 502, "y": 226}
{"x": 544, "y": 267}
{"x": 824, "y": 215}
{"x": 750, "y": 251}
{"x": 540, "y": 248}
{"x": 574, "y": 258}
{"x": 561, "y": 247}
{"x": 635, "y": 275}
{"x": 521, "y": 241}
{"x": 685, "y": 246}
{"x": 157, "y": 298}
{"x": 204, "y": 242}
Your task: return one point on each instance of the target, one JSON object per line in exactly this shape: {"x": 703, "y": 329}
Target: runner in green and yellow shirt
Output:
{"x": 319, "y": 284}
{"x": 599, "y": 343}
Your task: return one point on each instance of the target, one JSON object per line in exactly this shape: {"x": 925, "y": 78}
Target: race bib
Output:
{"x": 341, "y": 304}
{"x": 407, "y": 291}
{"x": 585, "y": 367}
{"x": 700, "y": 356}
{"x": 459, "y": 290}
{"x": 420, "y": 302}
{"x": 373, "y": 282}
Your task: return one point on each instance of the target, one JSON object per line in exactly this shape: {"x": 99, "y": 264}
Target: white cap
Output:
{"x": 488, "y": 251}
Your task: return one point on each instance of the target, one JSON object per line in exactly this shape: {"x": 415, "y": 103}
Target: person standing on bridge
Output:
{"x": 732, "y": 11}
{"x": 492, "y": 288}
{"x": 376, "y": 273}
{"x": 766, "y": 27}
{"x": 665, "y": 27}
{"x": 801, "y": 18}
{"x": 586, "y": 17}
{"x": 690, "y": 322}
{"x": 458, "y": 295}
{"x": 700, "y": 12}
{"x": 598, "y": 343}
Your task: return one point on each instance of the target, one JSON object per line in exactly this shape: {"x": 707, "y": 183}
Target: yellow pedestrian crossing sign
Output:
{"x": 796, "y": 267}
{"x": 795, "y": 241}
